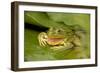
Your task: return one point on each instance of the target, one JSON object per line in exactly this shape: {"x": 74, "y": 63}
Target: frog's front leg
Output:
{"x": 42, "y": 37}
{"x": 77, "y": 41}
{"x": 68, "y": 45}
{"x": 79, "y": 48}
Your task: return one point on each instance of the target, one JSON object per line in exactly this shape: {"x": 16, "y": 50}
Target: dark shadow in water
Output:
{"x": 35, "y": 27}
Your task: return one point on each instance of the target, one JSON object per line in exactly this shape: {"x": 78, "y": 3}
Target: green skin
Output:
{"x": 58, "y": 38}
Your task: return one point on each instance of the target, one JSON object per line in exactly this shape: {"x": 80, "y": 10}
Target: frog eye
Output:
{"x": 59, "y": 30}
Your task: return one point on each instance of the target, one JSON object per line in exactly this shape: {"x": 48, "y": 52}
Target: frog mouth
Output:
{"x": 55, "y": 41}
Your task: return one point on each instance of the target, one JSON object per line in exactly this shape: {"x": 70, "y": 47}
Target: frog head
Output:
{"x": 56, "y": 33}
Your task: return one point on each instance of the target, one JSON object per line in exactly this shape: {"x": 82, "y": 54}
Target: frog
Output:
{"x": 60, "y": 38}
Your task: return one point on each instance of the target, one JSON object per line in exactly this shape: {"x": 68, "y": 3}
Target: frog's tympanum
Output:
{"x": 58, "y": 38}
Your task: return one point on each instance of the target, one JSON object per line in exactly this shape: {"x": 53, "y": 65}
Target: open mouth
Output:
{"x": 55, "y": 41}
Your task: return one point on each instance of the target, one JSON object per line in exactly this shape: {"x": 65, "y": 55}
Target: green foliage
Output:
{"x": 34, "y": 52}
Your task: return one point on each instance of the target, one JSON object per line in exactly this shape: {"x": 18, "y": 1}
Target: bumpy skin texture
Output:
{"x": 58, "y": 38}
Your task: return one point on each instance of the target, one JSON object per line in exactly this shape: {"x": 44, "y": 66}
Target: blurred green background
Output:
{"x": 36, "y": 22}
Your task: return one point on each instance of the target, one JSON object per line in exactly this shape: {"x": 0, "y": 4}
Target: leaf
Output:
{"x": 40, "y": 19}
{"x": 34, "y": 52}
{"x": 80, "y": 19}
{"x": 71, "y": 18}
